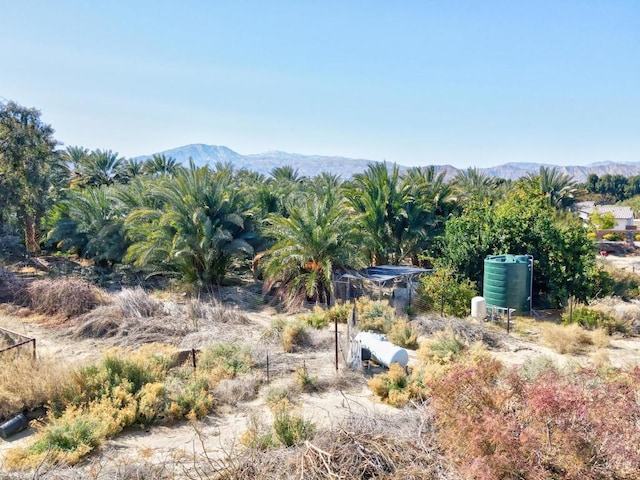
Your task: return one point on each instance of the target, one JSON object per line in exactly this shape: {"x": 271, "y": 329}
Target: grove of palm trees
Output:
{"x": 173, "y": 240}
{"x": 201, "y": 225}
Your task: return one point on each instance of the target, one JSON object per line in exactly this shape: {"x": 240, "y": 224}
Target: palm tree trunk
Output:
{"x": 31, "y": 235}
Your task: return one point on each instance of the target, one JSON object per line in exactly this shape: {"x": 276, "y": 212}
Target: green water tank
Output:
{"x": 507, "y": 282}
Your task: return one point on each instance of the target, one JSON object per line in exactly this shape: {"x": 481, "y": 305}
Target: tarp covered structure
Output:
{"x": 384, "y": 273}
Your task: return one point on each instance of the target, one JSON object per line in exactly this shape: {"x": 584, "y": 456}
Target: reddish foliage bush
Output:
{"x": 497, "y": 425}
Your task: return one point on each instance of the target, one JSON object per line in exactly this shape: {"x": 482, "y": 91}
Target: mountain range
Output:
{"x": 310, "y": 165}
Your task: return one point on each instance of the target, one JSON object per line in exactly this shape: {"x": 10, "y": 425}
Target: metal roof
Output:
{"x": 384, "y": 273}
{"x": 618, "y": 211}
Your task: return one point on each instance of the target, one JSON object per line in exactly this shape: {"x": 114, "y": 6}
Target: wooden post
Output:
{"x": 34, "y": 349}
{"x": 268, "y": 380}
{"x": 508, "y": 320}
{"x": 570, "y": 310}
{"x": 193, "y": 357}
{"x": 335, "y": 323}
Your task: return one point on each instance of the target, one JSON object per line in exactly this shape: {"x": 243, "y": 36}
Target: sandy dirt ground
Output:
{"x": 629, "y": 262}
{"x": 219, "y": 433}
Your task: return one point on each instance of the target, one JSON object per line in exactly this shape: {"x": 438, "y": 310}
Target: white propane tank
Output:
{"x": 478, "y": 307}
{"x": 383, "y": 352}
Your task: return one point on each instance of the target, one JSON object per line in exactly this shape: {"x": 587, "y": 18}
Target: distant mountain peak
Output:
{"x": 311, "y": 165}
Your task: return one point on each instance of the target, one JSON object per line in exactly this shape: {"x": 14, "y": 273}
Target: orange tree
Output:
{"x": 524, "y": 223}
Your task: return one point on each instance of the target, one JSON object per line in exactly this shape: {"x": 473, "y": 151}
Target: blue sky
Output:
{"x": 466, "y": 83}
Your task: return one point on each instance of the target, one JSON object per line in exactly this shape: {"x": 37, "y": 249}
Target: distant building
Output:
{"x": 622, "y": 215}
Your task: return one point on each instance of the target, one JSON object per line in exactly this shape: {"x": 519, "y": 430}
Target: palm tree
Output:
{"x": 195, "y": 231}
{"x": 286, "y": 173}
{"x": 559, "y": 188}
{"x": 326, "y": 184}
{"x": 316, "y": 238}
{"x": 282, "y": 187}
{"x": 473, "y": 184}
{"x": 90, "y": 222}
{"x": 431, "y": 204}
{"x": 74, "y": 156}
{"x": 100, "y": 167}
{"x": 131, "y": 168}
{"x": 379, "y": 200}
{"x": 161, "y": 165}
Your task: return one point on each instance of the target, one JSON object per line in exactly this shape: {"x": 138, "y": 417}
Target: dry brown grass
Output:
{"x": 398, "y": 447}
{"x": 10, "y": 286}
{"x": 136, "y": 303}
{"x": 624, "y": 312}
{"x": 232, "y": 391}
{"x": 138, "y": 468}
{"x": 600, "y": 359}
{"x": 573, "y": 339}
{"x": 107, "y": 323}
{"x": 64, "y": 297}
{"x": 202, "y": 313}
{"x": 28, "y": 383}
{"x": 467, "y": 331}
{"x": 345, "y": 379}
{"x": 134, "y": 317}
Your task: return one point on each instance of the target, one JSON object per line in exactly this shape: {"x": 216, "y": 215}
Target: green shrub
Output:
{"x": 341, "y": 311}
{"x": 374, "y": 315}
{"x": 404, "y": 334}
{"x": 443, "y": 289}
{"x": 275, "y": 394}
{"x": 444, "y": 348}
{"x": 191, "y": 400}
{"x": 592, "y": 319}
{"x": 258, "y": 436}
{"x": 318, "y": 318}
{"x": 391, "y": 385}
{"x": 410, "y": 311}
{"x": 626, "y": 285}
{"x": 307, "y": 381}
{"x": 613, "y": 237}
{"x": 67, "y": 439}
{"x": 102, "y": 399}
{"x": 292, "y": 334}
{"x": 232, "y": 358}
{"x": 120, "y": 369}
{"x": 289, "y": 428}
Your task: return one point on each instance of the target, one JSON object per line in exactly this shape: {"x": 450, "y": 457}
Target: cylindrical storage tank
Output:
{"x": 478, "y": 307}
{"x": 507, "y": 282}
{"x": 383, "y": 352}
{"x": 13, "y": 426}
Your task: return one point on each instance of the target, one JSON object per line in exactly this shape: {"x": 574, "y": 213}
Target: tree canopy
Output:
{"x": 564, "y": 261}
{"x": 29, "y": 165}
{"x": 315, "y": 239}
{"x": 199, "y": 224}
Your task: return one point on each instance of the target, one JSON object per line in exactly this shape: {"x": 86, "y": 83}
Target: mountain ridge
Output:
{"x": 311, "y": 165}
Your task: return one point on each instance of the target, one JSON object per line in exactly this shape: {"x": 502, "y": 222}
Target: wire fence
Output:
{"x": 275, "y": 364}
{"x": 15, "y": 343}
